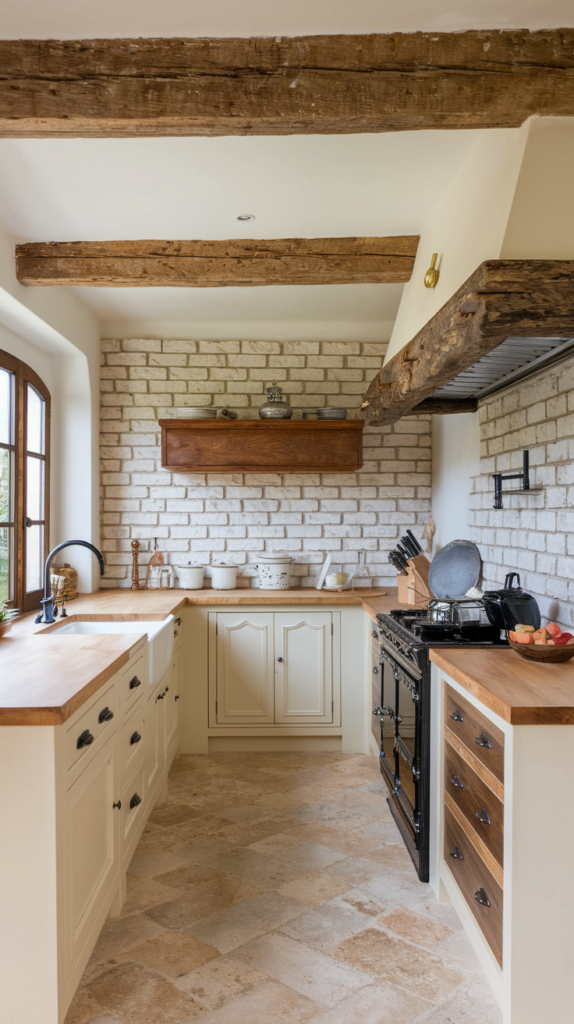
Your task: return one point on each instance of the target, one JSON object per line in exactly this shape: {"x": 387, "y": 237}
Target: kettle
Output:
{"x": 511, "y": 605}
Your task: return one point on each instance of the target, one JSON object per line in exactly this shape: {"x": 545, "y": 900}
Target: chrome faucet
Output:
{"x": 48, "y": 601}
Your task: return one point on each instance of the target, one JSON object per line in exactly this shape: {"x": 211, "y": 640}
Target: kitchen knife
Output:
{"x": 415, "y": 542}
{"x": 408, "y": 544}
{"x": 402, "y": 549}
{"x": 402, "y": 561}
{"x": 393, "y": 559}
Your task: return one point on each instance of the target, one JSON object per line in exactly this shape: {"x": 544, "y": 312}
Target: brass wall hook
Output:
{"x": 432, "y": 274}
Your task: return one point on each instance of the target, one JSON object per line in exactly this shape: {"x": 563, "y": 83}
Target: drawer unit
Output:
{"x": 479, "y": 805}
{"x": 131, "y": 813}
{"x": 476, "y": 732}
{"x": 480, "y": 889}
{"x": 133, "y": 682}
{"x": 131, "y": 742}
{"x": 90, "y": 731}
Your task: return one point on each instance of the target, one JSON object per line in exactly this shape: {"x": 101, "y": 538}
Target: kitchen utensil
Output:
{"x": 273, "y": 571}
{"x": 510, "y": 605}
{"x": 462, "y": 613}
{"x": 399, "y": 566}
{"x": 402, "y": 550}
{"x": 415, "y": 542}
{"x": 541, "y": 652}
{"x": 190, "y": 576}
{"x": 409, "y": 546}
{"x": 454, "y": 569}
{"x": 276, "y": 407}
{"x": 223, "y": 577}
{"x": 336, "y": 579}
{"x": 331, "y": 413}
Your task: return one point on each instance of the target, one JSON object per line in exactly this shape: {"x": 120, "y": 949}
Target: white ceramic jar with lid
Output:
{"x": 190, "y": 576}
{"x": 273, "y": 571}
{"x": 224, "y": 577}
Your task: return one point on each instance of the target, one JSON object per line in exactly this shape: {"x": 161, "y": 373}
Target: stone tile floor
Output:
{"x": 276, "y": 888}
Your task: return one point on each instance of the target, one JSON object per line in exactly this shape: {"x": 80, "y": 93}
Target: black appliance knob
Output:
{"x": 105, "y": 715}
{"x": 84, "y": 739}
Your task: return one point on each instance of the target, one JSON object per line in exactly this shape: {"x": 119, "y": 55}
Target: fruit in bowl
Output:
{"x": 549, "y": 643}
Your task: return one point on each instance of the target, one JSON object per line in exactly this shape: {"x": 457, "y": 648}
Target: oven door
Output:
{"x": 400, "y": 742}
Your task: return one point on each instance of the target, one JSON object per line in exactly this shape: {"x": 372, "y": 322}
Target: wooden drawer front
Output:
{"x": 133, "y": 682}
{"x": 90, "y": 731}
{"x": 472, "y": 875}
{"x": 474, "y": 798}
{"x": 470, "y": 726}
{"x": 132, "y": 742}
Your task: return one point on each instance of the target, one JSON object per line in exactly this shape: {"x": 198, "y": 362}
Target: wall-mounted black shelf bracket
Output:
{"x": 524, "y": 476}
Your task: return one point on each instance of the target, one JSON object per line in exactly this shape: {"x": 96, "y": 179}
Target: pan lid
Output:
{"x": 454, "y": 570}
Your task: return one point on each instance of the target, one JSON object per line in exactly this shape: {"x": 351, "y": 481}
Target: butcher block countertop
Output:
{"x": 45, "y": 679}
{"x": 522, "y": 692}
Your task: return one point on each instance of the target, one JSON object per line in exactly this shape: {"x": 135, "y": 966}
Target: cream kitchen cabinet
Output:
{"x": 274, "y": 669}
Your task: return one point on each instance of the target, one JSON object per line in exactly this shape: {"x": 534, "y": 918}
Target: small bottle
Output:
{"x": 275, "y": 408}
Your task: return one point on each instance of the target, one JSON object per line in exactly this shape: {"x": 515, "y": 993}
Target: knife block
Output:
{"x": 414, "y": 588}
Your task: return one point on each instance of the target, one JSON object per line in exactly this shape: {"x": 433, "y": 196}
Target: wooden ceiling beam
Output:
{"x": 334, "y": 84}
{"x": 215, "y": 264}
{"x": 502, "y": 299}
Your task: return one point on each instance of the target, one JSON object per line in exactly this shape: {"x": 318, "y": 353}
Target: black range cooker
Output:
{"x": 403, "y": 709}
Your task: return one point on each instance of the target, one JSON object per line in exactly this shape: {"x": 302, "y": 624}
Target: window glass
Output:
{"x": 6, "y": 379}
{"x": 6, "y": 571}
{"x": 36, "y": 419}
{"x": 34, "y": 557}
{"x": 5, "y": 486}
{"x": 35, "y": 488}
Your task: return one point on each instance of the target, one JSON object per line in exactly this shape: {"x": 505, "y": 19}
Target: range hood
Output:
{"x": 512, "y": 360}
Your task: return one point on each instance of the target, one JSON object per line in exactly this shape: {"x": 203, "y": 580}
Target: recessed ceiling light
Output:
{"x": 245, "y": 216}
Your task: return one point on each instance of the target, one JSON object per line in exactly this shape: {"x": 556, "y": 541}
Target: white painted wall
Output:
{"x": 455, "y": 460}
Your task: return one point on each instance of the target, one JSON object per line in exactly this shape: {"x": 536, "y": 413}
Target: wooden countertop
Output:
{"x": 44, "y": 678}
{"x": 522, "y": 692}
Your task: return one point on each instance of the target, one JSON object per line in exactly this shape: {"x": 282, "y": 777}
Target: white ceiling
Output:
{"x": 297, "y": 186}
{"x": 76, "y": 19}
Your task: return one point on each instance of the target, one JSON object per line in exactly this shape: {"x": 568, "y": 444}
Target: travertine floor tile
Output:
{"x": 276, "y": 889}
{"x": 239, "y": 924}
{"x": 321, "y": 978}
{"x": 171, "y": 953}
{"x": 392, "y": 960}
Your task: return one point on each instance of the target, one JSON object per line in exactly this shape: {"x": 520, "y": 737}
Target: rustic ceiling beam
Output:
{"x": 213, "y": 264}
{"x": 334, "y": 84}
{"x": 502, "y": 299}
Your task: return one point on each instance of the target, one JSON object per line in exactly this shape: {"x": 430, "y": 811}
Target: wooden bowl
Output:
{"x": 541, "y": 652}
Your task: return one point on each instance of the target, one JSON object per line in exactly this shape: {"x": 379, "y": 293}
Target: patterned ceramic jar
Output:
{"x": 273, "y": 571}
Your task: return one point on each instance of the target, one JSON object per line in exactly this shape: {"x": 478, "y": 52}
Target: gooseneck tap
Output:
{"x": 47, "y": 601}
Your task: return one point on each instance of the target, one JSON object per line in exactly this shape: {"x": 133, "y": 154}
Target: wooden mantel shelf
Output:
{"x": 262, "y": 446}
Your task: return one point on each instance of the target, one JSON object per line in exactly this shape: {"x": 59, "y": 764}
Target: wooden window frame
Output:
{"x": 24, "y": 376}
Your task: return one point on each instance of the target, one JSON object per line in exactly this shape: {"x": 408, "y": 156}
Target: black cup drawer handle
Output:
{"x": 457, "y": 716}
{"x": 84, "y": 739}
{"x": 135, "y": 800}
{"x": 482, "y": 898}
{"x": 105, "y": 715}
{"x": 135, "y": 737}
{"x": 457, "y": 782}
{"x": 483, "y": 741}
{"x": 482, "y": 816}
{"x": 134, "y": 683}
{"x": 176, "y": 632}
{"x": 455, "y": 852}
{"x": 178, "y": 622}
{"x": 176, "y": 696}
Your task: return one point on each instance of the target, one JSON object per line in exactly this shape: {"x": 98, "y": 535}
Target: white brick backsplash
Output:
{"x": 236, "y": 516}
{"x": 534, "y": 533}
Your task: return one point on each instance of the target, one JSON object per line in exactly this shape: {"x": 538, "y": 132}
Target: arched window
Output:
{"x": 24, "y": 482}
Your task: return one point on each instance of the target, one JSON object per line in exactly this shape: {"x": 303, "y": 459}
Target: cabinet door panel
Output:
{"x": 172, "y": 705}
{"x": 92, "y": 846}
{"x": 244, "y": 689}
{"x": 304, "y": 675}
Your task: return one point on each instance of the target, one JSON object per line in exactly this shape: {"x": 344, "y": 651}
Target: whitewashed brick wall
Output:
{"x": 234, "y": 517}
{"x": 533, "y": 534}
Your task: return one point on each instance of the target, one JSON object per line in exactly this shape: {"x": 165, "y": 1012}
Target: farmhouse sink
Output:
{"x": 159, "y": 638}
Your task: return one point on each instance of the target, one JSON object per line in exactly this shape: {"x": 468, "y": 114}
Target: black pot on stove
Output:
{"x": 511, "y": 605}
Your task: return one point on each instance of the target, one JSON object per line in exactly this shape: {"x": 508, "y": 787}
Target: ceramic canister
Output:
{"x": 190, "y": 576}
{"x": 223, "y": 577}
{"x": 273, "y": 571}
